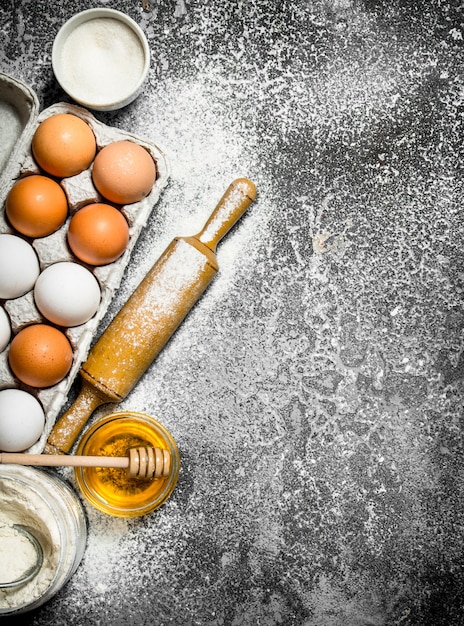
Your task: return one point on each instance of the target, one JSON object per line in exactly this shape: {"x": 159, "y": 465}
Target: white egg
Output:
{"x": 5, "y": 329}
{"x": 19, "y": 266}
{"x": 22, "y": 420}
{"x": 67, "y": 294}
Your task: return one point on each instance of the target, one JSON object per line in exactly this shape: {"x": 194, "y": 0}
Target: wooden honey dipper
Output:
{"x": 142, "y": 462}
{"x": 150, "y": 317}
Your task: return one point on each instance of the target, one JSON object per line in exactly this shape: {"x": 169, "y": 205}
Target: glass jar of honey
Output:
{"x": 112, "y": 490}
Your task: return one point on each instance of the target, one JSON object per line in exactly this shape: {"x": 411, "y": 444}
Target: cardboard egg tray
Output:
{"x": 16, "y": 160}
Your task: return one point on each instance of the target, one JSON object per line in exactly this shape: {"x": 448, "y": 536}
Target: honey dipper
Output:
{"x": 150, "y": 316}
{"x": 141, "y": 462}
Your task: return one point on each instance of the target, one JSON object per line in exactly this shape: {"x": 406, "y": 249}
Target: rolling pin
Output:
{"x": 149, "y": 318}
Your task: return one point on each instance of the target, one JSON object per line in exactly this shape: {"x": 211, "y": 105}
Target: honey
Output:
{"x": 112, "y": 490}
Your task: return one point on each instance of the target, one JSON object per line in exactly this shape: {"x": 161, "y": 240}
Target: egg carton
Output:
{"x": 17, "y": 159}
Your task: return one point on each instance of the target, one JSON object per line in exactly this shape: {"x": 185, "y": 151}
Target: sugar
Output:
{"x": 102, "y": 61}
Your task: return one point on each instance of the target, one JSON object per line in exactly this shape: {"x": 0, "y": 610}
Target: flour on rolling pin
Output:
{"x": 150, "y": 317}
{"x": 182, "y": 268}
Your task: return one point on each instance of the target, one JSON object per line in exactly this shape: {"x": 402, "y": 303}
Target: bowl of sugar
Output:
{"x": 101, "y": 59}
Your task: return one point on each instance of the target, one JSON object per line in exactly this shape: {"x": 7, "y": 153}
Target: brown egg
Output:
{"x": 98, "y": 234}
{"x": 40, "y": 355}
{"x": 64, "y": 145}
{"x": 36, "y": 206}
{"x": 124, "y": 172}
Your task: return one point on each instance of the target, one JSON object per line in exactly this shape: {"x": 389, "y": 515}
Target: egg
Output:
{"x": 36, "y": 206}
{"x": 64, "y": 145}
{"x": 124, "y": 172}
{"x": 22, "y": 420}
{"x": 40, "y": 355}
{"x": 67, "y": 294}
{"x": 98, "y": 234}
{"x": 19, "y": 266}
{"x": 5, "y": 329}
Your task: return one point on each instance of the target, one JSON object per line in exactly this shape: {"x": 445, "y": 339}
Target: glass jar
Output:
{"x": 112, "y": 490}
{"x": 46, "y": 504}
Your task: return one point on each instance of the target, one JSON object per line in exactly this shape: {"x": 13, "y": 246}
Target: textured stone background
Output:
{"x": 316, "y": 392}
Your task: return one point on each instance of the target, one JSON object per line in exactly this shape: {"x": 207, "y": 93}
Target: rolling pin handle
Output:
{"x": 70, "y": 424}
{"x": 233, "y": 204}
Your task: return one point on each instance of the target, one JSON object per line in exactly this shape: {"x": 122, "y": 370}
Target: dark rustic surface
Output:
{"x": 316, "y": 392}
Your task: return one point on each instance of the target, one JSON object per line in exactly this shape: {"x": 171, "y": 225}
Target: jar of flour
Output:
{"x": 43, "y": 503}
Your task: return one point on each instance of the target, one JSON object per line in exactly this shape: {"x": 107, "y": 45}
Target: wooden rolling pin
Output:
{"x": 150, "y": 316}
{"x": 141, "y": 462}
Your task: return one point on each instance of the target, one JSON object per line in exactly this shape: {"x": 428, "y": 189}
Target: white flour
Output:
{"x": 22, "y": 505}
{"x": 17, "y": 554}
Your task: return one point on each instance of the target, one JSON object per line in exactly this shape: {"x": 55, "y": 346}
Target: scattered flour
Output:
{"x": 350, "y": 90}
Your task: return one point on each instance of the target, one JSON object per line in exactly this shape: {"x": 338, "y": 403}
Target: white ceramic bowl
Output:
{"x": 101, "y": 59}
